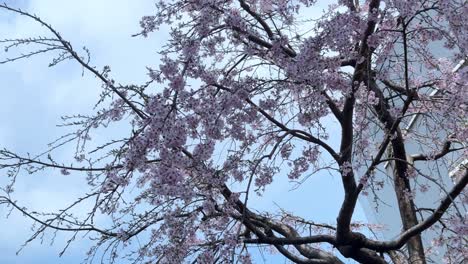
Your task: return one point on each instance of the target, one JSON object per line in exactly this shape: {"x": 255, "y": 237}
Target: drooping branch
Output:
{"x": 294, "y": 132}
{"x": 48, "y": 224}
{"x": 68, "y": 47}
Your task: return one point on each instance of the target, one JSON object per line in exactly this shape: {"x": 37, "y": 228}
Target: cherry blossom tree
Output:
{"x": 240, "y": 99}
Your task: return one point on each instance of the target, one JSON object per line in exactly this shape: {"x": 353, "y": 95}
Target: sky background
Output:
{"x": 34, "y": 97}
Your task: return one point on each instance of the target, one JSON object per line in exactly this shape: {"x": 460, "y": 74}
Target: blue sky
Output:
{"x": 35, "y": 96}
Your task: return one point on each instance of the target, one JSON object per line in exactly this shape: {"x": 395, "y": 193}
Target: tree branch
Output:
{"x": 404, "y": 237}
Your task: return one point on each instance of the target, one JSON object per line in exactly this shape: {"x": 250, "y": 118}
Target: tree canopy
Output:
{"x": 245, "y": 94}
